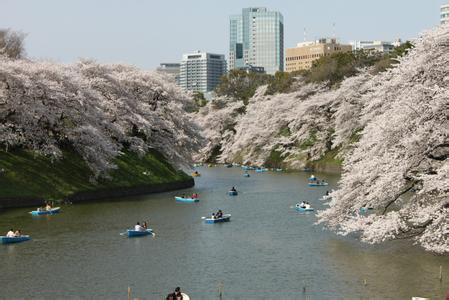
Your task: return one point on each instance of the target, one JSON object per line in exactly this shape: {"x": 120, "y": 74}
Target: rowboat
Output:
{"x": 365, "y": 209}
{"x": 195, "y": 174}
{"x": 245, "y": 175}
{"x": 318, "y": 184}
{"x": 261, "y": 170}
{"x": 181, "y": 199}
{"x": 247, "y": 168}
{"x": 301, "y": 209}
{"x": 233, "y": 193}
{"x": 16, "y": 239}
{"x": 225, "y": 218}
{"x": 45, "y": 212}
{"x": 135, "y": 233}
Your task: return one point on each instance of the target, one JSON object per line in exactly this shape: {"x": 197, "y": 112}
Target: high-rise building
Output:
{"x": 201, "y": 71}
{"x": 444, "y": 14}
{"x": 257, "y": 39}
{"x": 304, "y": 54}
{"x": 171, "y": 69}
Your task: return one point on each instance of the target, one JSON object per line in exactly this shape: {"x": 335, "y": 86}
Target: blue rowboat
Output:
{"x": 181, "y": 199}
{"x": 245, "y": 175}
{"x": 247, "y": 168}
{"x": 233, "y": 193}
{"x": 300, "y": 209}
{"x": 318, "y": 184}
{"x": 134, "y": 233}
{"x": 16, "y": 239}
{"x": 365, "y": 209}
{"x": 45, "y": 212}
{"x": 225, "y": 218}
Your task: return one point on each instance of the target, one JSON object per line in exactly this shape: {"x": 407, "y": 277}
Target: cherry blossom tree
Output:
{"x": 98, "y": 110}
{"x": 399, "y": 167}
{"x": 390, "y": 128}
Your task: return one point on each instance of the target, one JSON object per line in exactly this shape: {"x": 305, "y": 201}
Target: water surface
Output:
{"x": 267, "y": 251}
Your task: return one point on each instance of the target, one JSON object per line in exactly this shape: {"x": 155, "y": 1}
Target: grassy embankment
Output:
{"x": 26, "y": 174}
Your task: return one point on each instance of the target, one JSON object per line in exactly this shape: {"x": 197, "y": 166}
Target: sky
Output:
{"x": 145, "y": 33}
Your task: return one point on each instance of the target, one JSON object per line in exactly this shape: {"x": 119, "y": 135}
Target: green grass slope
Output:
{"x": 26, "y": 174}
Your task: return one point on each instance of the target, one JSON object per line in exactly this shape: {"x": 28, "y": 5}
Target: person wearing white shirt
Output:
{"x": 138, "y": 227}
{"x": 307, "y": 205}
{"x": 10, "y": 233}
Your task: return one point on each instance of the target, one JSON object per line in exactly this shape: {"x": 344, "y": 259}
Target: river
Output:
{"x": 267, "y": 251}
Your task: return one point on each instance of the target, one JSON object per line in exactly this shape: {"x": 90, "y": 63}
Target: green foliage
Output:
{"x": 199, "y": 99}
{"x": 310, "y": 141}
{"x": 336, "y": 67}
{"x": 389, "y": 60}
{"x": 285, "y": 131}
{"x": 241, "y": 85}
{"x": 280, "y": 83}
{"x": 26, "y": 174}
{"x": 275, "y": 159}
{"x": 330, "y": 158}
{"x": 355, "y": 136}
{"x": 333, "y": 68}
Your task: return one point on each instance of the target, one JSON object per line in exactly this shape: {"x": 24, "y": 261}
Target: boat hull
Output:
{"x": 302, "y": 209}
{"x": 134, "y": 233}
{"x": 233, "y": 193}
{"x": 318, "y": 184}
{"x": 225, "y": 218}
{"x": 12, "y": 240}
{"x": 188, "y": 200}
{"x": 46, "y": 212}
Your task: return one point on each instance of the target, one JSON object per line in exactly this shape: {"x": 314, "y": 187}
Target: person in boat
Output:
{"x": 213, "y": 216}
{"x": 18, "y": 233}
{"x": 10, "y": 233}
{"x": 48, "y": 206}
{"x": 307, "y": 205}
{"x": 145, "y": 225}
{"x": 219, "y": 214}
{"x": 312, "y": 178}
{"x": 302, "y": 205}
{"x": 178, "y": 293}
{"x": 233, "y": 189}
{"x": 138, "y": 227}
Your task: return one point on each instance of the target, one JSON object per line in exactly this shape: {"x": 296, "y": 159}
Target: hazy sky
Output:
{"x": 147, "y": 32}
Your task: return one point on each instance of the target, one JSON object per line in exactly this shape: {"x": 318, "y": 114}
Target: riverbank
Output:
{"x": 28, "y": 179}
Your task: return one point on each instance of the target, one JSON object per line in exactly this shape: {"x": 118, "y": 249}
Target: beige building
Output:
{"x": 304, "y": 54}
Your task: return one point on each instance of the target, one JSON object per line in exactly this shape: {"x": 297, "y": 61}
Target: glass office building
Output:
{"x": 257, "y": 39}
{"x": 201, "y": 71}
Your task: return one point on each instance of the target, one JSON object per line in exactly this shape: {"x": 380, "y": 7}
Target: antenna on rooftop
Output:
{"x": 333, "y": 31}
